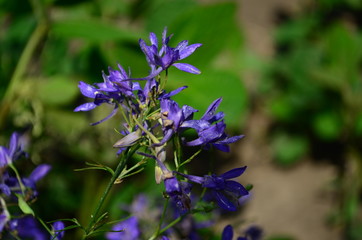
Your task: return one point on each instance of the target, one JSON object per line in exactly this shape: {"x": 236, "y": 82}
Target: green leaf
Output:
{"x": 94, "y": 30}
{"x": 66, "y": 123}
{"x": 289, "y": 149}
{"x": 358, "y": 125}
{"x": 23, "y": 205}
{"x": 57, "y": 90}
{"x": 327, "y": 125}
{"x": 281, "y": 108}
{"x": 166, "y": 9}
{"x": 96, "y": 166}
{"x": 194, "y": 25}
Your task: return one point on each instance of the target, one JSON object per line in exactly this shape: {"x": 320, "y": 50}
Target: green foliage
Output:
{"x": 313, "y": 94}
{"x": 57, "y": 91}
{"x": 289, "y": 149}
{"x": 24, "y": 206}
{"x": 315, "y": 81}
{"x": 94, "y": 30}
{"x": 327, "y": 125}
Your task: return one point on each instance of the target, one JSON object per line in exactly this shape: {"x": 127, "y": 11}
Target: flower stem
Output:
{"x": 161, "y": 220}
{"x": 21, "y": 185}
{"x": 171, "y": 224}
{"x": 39, "y": 33}
{"x": 92, "y": 224}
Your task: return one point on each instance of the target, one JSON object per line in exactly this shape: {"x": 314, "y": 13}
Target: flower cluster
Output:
{"x": 154, "y": 121}
{"x": 18, "y": 190}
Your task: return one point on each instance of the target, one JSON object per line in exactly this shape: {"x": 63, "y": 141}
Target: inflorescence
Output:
{"x": 152, "y": 123}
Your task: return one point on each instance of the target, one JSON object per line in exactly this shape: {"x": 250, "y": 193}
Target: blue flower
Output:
{"x": 222, "y": 190}
{"x": 162, "y": 57}
{"x": 14, "y": 152}
{"x": 57, "y": 228}
{"x": 178, "y": 192}
{"x": 211, "y": 129}
{"x": 127, "y": 230}
{"x": 227, "y": 233}
{"x": 28, "y": 228}
{"x": 4, "y": 218}
{"x": 10, "y": 184}
{"x": 173, "y": 118}
{"x": 115, "y": 88}
{"x": 252, "y": 233}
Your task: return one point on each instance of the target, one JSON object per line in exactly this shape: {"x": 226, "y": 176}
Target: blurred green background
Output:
{"x": 310, "y": 90}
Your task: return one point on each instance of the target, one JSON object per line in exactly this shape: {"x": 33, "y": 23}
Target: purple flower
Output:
{"x": 178, "y": 192}
{"x": 252, "y": 233}
{"x": 149, "y": 90}
{"x": 57, "y": 228}
{"x": 227, "y": 233}
{"x": 127, "y": 230}
{"x": 28, "y": 228}
{"x": 14, "y": 152}
{"x": 222, "y": 190}
{"x": 115, "y": 88}
{"x": 210, "y": 134}
{"x": 214, "y": 135}
{"x": 173, "y": 117}
{"x": 37, "y": 174}
{"x": 10, "y": 184}
{"x": 4, "y": 218}
{"x": 162, "y": 57}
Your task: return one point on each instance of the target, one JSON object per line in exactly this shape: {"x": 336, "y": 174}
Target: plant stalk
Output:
{"x": 117, "y": 172}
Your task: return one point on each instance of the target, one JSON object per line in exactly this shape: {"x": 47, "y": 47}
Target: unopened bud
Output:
{"x": 129, "y": 139}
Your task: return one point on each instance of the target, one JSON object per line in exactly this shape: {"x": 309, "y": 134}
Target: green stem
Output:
{"x": 157, "y": 233}
{"x": 45, "y": 226}
{"x": 97, "y": 209}
{"x": 22, "y": 187}
{"x": 15, "y": 81}
{"x": 151, "y": 136}
{"x": 170, "y": 225}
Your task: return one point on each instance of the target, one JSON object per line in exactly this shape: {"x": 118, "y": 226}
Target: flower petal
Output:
{"x": 39, "y": 172}
{"x": 222, "y": 147}
{"x": 223, "y": 201}
{"x": 14, "y": 143}
{"x": 85, "y": 107}
{"x": 187, "y": 51}
{"x": 235, "y": 188}
{"x": 153, "y": 39}
{"x": 236, "y": 172}
{"x": 227, "y": 233}
{"x": 58, "y": 227}
{"x": 232, "y": 139}
{"x": 172, "y": 93}
{"x": 192, "y": 178}
{"x": 210, "y": 112}
{"x": 87, "y": 90}
{"x": 187, "y": 68}
{"x": 108, "y": 117}
{"x": 182, "y": 45}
